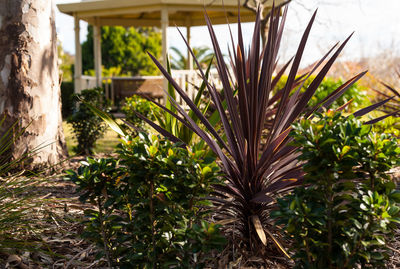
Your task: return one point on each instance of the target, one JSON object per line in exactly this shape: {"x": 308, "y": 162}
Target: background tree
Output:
{"x": 124, "y": 48}
{"x": 65, "y": 63}
{"x": 29, "y": 79}
{"x": 265, "y": 13}
{"x": 179, "y": 61}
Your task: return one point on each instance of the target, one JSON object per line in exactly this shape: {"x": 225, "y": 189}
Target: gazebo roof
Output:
{"x": 148, "y": 12}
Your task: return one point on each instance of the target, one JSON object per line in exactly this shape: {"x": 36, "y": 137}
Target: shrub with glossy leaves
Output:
{"x": 356, "y": 94}
{"x": 154, "y": 205}
{"x": 87, "y": 127}
{"x": 390, "y": 126}
{"x": 136, "y": 103}
{"x": 345, "y": 212}
{"x": 95, "y": 179}
{"x": 393, "y": 106}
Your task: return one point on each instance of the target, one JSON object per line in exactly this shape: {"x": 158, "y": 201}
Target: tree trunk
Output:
{"x": 29, "y": 79}
{"x": 264, "y": 31}
{"x": 253, "y": 5}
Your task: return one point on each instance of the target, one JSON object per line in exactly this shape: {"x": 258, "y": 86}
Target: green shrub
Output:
{"x": 390, "y": 125}
{"x": 327, "y": 86}
{"x": 95, "y": 178}
{"x": 151, "y": 205}
{"x": 142, "y": 106}
{"x": 345, "y": 212}
{"x": 88, "y": 127}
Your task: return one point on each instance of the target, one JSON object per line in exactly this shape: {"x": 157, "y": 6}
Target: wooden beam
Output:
{"x": 172, "y": 8}
{"x": 164, "y": 30}
{"x": 222, "y": 20}
{"x": 189, "y": 56}
{"x": 117, "y": 12}
{"x": 87, "y": 6}
{"x": 126, "y": 22}
{"x": 78, "y": 57}
{"x": 97, "y": 51}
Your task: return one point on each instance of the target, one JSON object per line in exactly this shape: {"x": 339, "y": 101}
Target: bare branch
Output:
{"x": 266, "y": 18}
{"x": 248, "y": 6}
{"x": 210, "y": 3}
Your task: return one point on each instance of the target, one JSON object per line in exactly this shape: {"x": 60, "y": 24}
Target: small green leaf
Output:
{"x": 377, "y": 255}
{"x": 345, "y": 149}
{"x": 206, "y": 170}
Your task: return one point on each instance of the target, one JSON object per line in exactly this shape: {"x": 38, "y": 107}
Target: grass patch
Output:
{"x": 106, "y": 144}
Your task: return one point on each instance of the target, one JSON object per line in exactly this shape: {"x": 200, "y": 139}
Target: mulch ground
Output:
{"x": 57, "y": 241}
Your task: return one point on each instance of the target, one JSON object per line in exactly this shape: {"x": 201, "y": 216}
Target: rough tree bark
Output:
{"x": 29, "y": 78}
{"x": 265, "y": 14}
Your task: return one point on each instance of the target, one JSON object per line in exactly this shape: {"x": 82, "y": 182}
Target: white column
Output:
{"x": 78, "y": 56}
{"x": 97, "y": 51}
{"x": 189, "y": 56}
{"x": 164, "y": 29}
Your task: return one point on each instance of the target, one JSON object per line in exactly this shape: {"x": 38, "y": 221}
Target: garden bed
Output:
{"x": 58, "y": 243}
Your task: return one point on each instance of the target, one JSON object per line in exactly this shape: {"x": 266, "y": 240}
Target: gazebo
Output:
{"x": 158, "y": 13}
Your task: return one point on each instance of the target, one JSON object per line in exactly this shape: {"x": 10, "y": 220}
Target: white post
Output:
{"x": 164, "y": 29}
{"x": 97, "y": 51}
{"x": 78, "y": 56}
{"x": 189, "y": 56}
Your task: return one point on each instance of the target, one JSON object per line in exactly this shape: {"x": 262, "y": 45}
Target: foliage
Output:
{"x": 393, "y": 106}
{"x": 106, "y": 72}
{"x": 355, "y": 92}
{"x": 253, "y": 143}
{"x": 124, "y": 48}
{"x": 66, "y": 63}
{"x": 345, "y": 212}
{"x": 151, "y": 205}
{"x": 94, "y": 179}
{"x": 171, "y": 125}
{"x": 138, "y": 104}
{"x": 204, "y": 56}
{"x": 86, "y": 125}
{"x": 390, "y": 125}
{"x": 167, "y": 123}
{"x": 67, "y": 98}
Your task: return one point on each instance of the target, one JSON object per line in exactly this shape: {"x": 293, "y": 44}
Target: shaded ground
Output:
{"x": 58, "y": 243}
{"x": 56, "y": 236}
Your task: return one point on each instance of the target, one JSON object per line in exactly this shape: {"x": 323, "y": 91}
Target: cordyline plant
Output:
{"x": 253, "y": 143}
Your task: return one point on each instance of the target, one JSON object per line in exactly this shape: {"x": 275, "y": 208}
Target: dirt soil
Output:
{"x": 57, "y": 241}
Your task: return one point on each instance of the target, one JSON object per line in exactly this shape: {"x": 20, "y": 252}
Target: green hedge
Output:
{"x": 328, "y": 85}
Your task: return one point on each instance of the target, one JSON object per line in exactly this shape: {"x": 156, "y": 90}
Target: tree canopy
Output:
{"x": 124, "y": 49}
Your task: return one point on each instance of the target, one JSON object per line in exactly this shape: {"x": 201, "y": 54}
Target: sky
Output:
{"x": 375, "y": 23}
